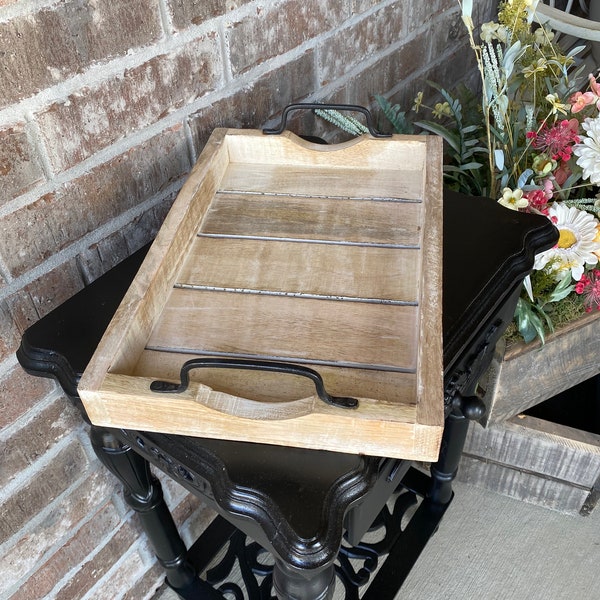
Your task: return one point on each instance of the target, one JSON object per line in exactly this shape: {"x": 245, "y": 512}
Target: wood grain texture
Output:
{"x": 294, "y": 268}
{"x": 324, "y": 181}
{"x": 336, "y": 220}
{"x": 288, "y": 328}
{"x": 374, "y": 428}
{"x": 365, "y": 152}
{"x": 275, "y": 249}
{"x": 533, "y": 460}
{"x": 429, "y": 349}
{"x": 524, "y": 375}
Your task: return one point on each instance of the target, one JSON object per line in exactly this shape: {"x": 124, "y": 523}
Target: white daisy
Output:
{"x": 576, "y": 244}
{"x": 588, "y": 152}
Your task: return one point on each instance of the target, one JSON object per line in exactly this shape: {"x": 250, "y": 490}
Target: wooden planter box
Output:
{"x": 284, "y": 252}
{"x": 536, "y": 461}
{"x": 524, "y": 375}
{"x": 530, "y": 458}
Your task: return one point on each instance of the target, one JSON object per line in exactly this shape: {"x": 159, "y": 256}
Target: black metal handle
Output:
{"x": 232, "y": 363}
{"x": 314, "y": 106}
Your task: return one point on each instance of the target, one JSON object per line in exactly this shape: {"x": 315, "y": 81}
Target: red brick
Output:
{"x": 63, "y": 217}
{"x": 147, "y": 586}
{"x": 101, "y": 526}
{"x": 274, "y": 32}
{"x": 94, "y": 568}
{"x": 64, "y": 470}
{"x": 96, "y": 117}
{"x": 253, "y": 106}
{"x": 184, "y": 13}
{"x": 36, "y": 437}
{"x": 120, "y": 580}
{"x": 64, "y": 516}
{"x": 10, "y": 335}
{"x": 19, "y": 167}
{"x": 344, "y": 50}
{"x": 107, "y": 253}
{"x": 58, "y": 41}
{"x": 38, "y": 298}
{"x": 423, "y": 13}
{"x": 390, "y": 70}
{"x": 20, "y": 393}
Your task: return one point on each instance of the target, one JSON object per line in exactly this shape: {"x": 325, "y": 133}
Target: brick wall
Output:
{"x": 104, "y": 107}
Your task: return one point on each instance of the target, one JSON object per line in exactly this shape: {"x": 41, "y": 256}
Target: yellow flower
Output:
{"x": 539, "y": 66}
{"x": 513, "y": 199}
{"x": 556, "y": 105}
{"x": 418, "y": 101}
{"x": 441, "y": 109}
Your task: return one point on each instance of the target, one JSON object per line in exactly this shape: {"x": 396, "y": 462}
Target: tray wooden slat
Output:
{"x": 292, "y": 268}
{"x": 286, "y": 328}
{"x": 341, "y": 220}
{"x": 327, "y": 256}
{"x": 300, "y": 180}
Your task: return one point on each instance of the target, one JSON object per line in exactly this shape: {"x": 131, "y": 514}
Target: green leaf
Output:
{"x": 465, "y": 167}
{"x": 452, "y": 139}
{"x": 528, "y": 322}
{"x": 562, "y": 290}
{"x": 394, "y": 115}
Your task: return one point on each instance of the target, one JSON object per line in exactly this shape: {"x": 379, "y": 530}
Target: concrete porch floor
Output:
{"x": 490, "y": 547}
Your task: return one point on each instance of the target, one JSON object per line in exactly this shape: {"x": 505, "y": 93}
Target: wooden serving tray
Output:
{"x": 279, "y": 252}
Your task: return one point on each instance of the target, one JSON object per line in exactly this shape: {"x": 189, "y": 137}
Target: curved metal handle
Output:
{"x": 231, "y": 363}
{"x": 313, "y": 106}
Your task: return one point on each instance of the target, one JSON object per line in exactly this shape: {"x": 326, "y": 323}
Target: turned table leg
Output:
{"x": 290, "y": 583}
{"x": 143, "y": 493}
{"x": 443, "y": 472}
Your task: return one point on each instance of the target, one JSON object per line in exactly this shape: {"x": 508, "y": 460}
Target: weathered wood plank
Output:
{"x": 522, "y": 376}
{"x": 288, "y": 328}
{"x": 536, "y": 461}
{"x": 430, "y": 346}
{"x": 539, "y": 446}
{"x": 374, "y": 428}
{"x": 364, "y": 152}
{"x": 302, "y": 268}
{"x": 353, "y": 221}
{"x": 324, "y": 181}
{"x": 522, "y": 485}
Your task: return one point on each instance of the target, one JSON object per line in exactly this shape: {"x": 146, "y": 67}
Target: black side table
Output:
{"x": 309, "y": 509}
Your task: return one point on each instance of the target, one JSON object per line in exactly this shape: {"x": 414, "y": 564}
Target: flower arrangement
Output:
{"x": 532, "y": 141}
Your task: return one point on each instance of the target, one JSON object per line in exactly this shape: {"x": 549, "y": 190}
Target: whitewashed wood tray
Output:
{"x": 281, "y": 252}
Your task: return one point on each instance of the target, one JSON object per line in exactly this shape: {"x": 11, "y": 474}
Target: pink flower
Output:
{"x": 557, "y": 140}
{"x": 580, "y": 100}
{"x": 589, "y": 288}
{"x": 594, "y": 86}
{"x": 538, "y": 201}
